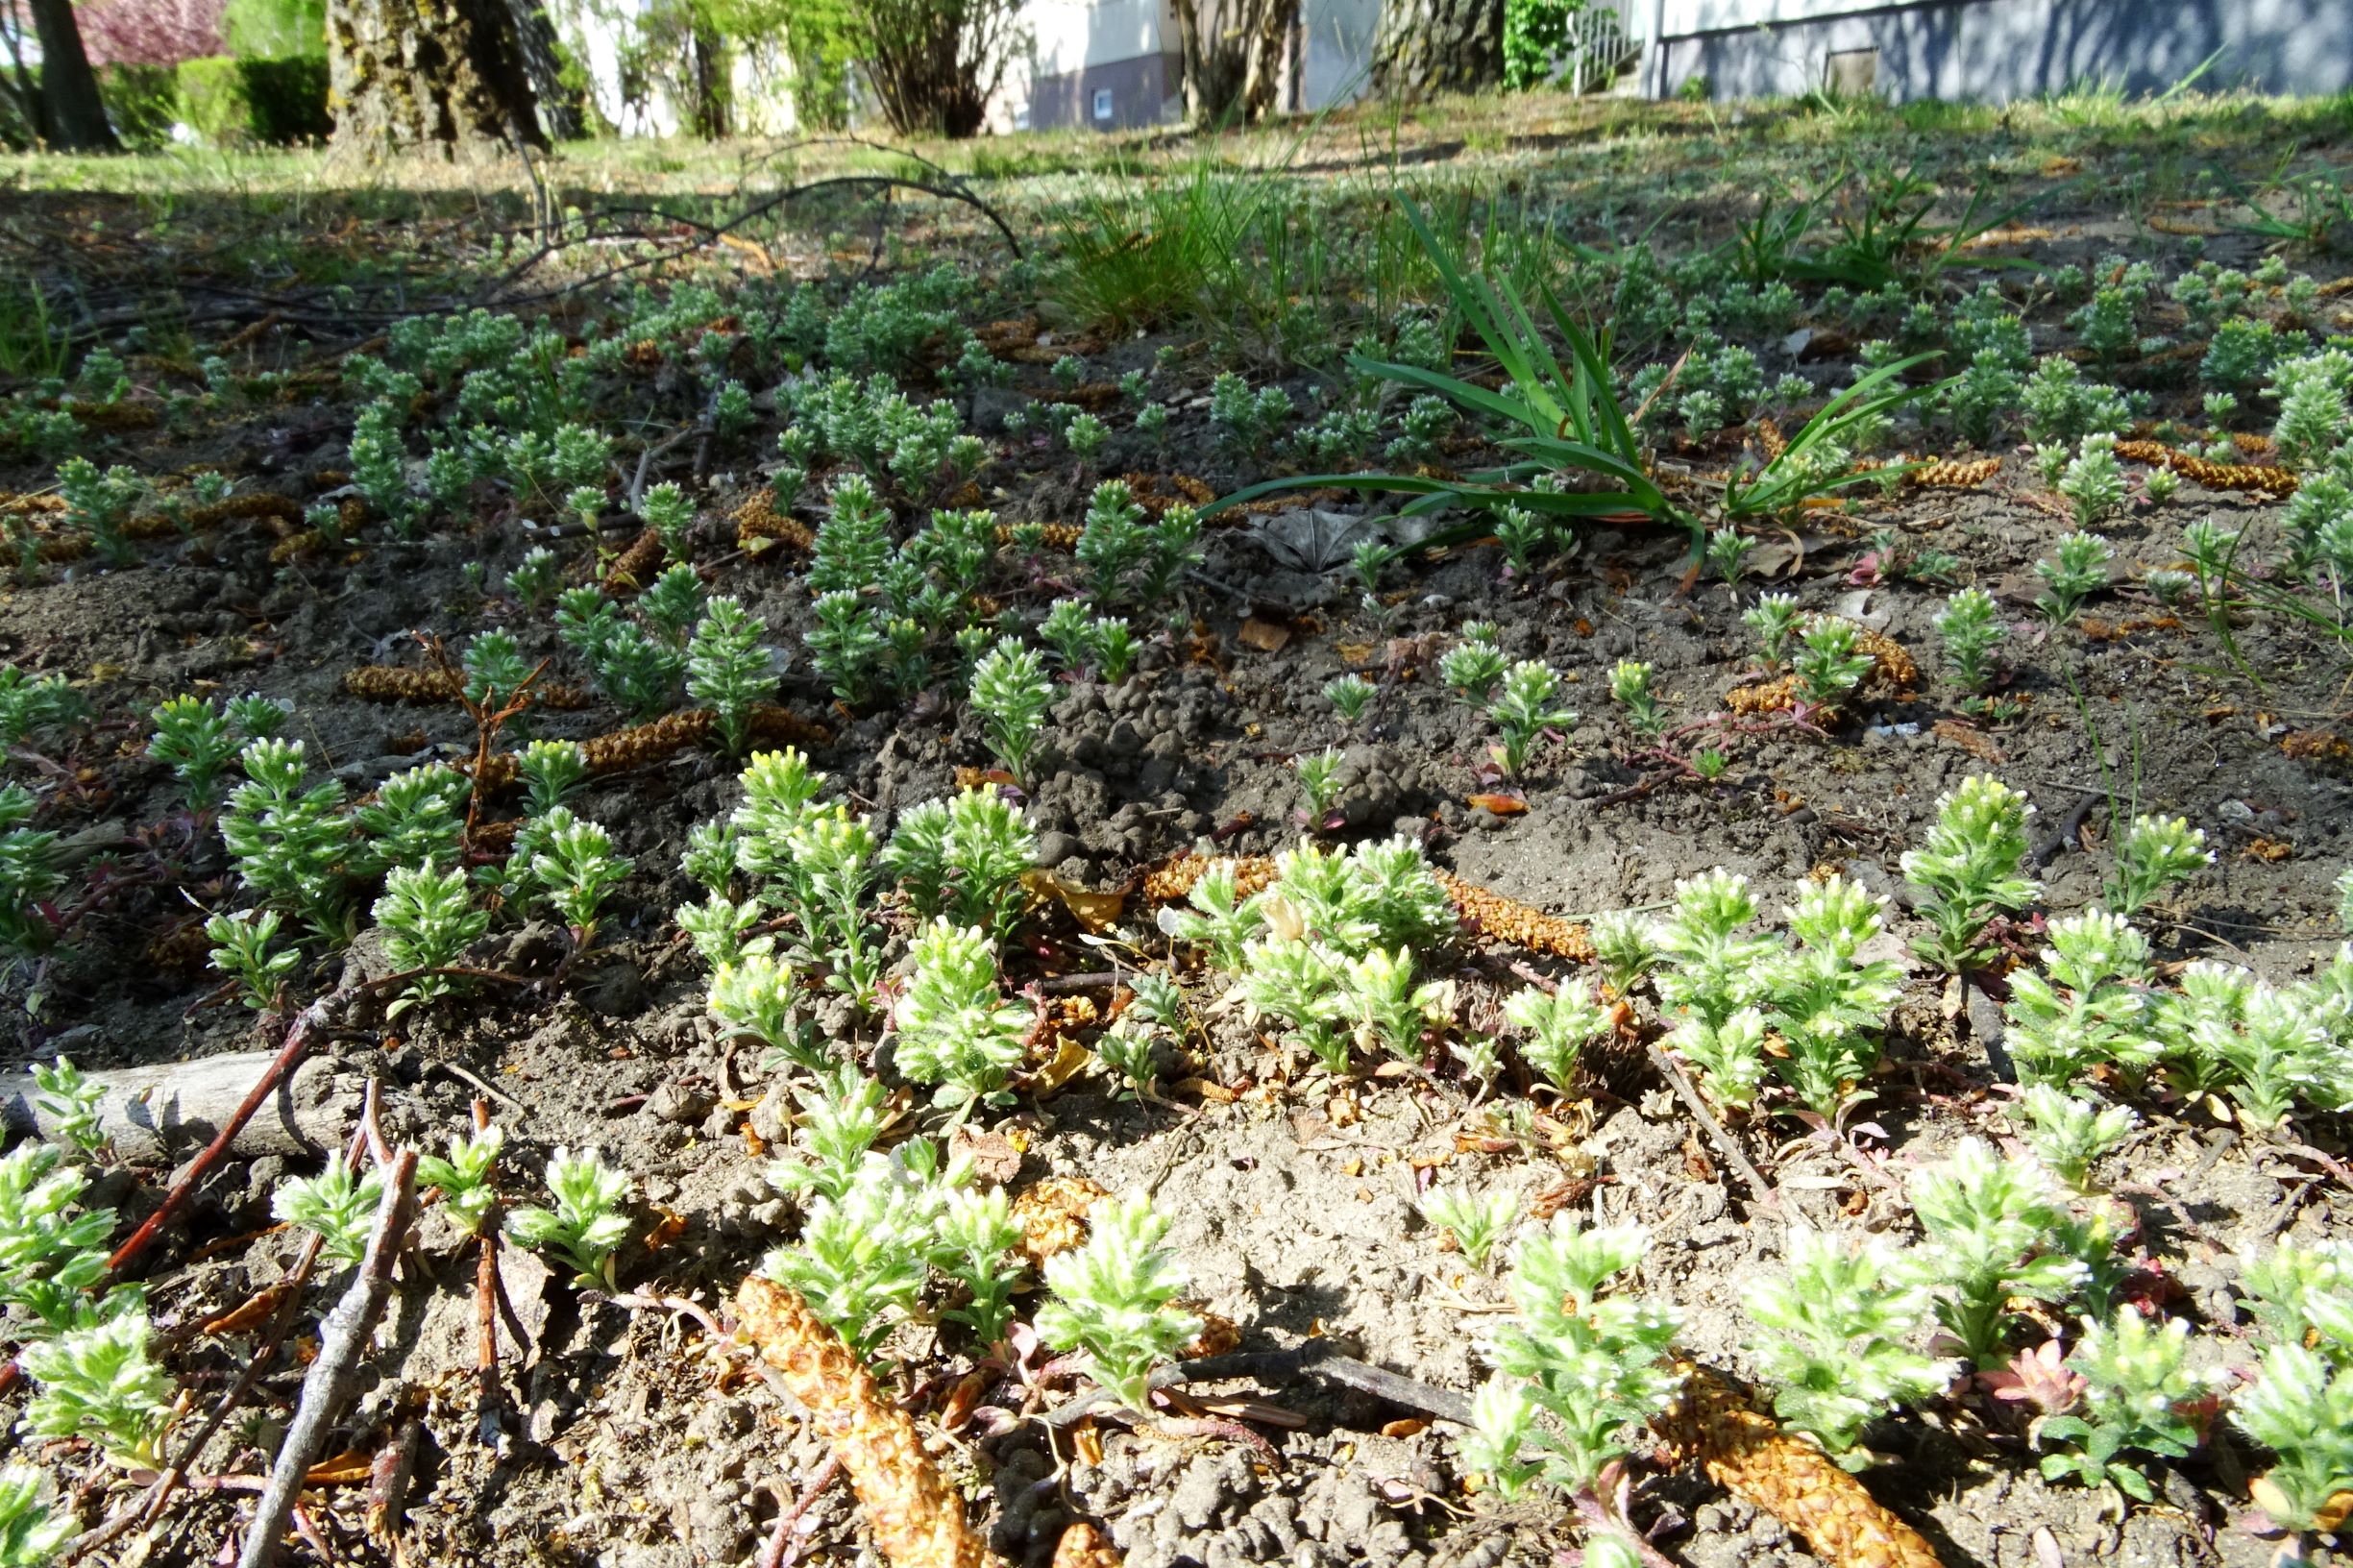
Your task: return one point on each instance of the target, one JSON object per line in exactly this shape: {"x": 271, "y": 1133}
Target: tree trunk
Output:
{"x": 73, "y": 119}
{"x": 1231, "y": 56}
{"x": 708, "y": 69}
{"x": 560, "y": 112}
{"x": 448, "y": 75}
{"x": 1428, "y": 46}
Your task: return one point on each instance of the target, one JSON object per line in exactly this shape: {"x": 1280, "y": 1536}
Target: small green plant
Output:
{"x": 2138, "y": 1391}
{"x": 1590, "y": 1362}
{"x": 1392, "y": 1010}
{"x": 463, "y": 1179}
{"x": 1113, "y": 1300}
{"x": 417, "y": 818}
{"x": 52, "y": 1247}
{"x": 577, "y": 870}
{"x": 2154, "y": 854}
{"x": 1472, "y": 669}
{"x": 974, "y": 1248}
{"x": 1010, "y": 693}
{"x": 338, "y": 1206}
{"x": 97, "y": 506}
{"x": 1774, "y": 617}
{"x": 1477, "y": 1221}
{"x": 672, "y": 603}
{"x": 2093, "y": 482}
{"x": 1991, "y": 1229}
{"x": 1350, "y": 696}
{"x": 2301, "y": 1408}
{"x": 728, "y": 670}
{"x": 289, "y": 843}
{"x": 536, "y": 578}
{"x": 428, "y": 921}
{"x": 964, "y": 859}
{"x": 954, "y": 1030}
{"x": 1630, "y": 687}
{"x": 1971, "y": 628}
{"x": 241, "y": 950}
{"x": 549, "y": 771}
{"x": 2088, "y": 1007}
{"x": 831, "y": 867}
{"x": 1727, "y": 553}
{"x": 754, "y": 994}
{"x": 193, "y": 738}
{"x": 1522, "y": 710}
{"x": 71, "y": 1100}
{"x": 1319, "y": 779}
{"x": 102, "y": 1384}
{"x": 867, "y": 1245}
{"x": 669, "y": 512}
{"x": 1826, "y": 1001}
{"x": 2076, "y": 569}
{"x": 1833, "y": 1347}
{"x": 1559, "y": 1024}
{"x": 587, "y": 1222}
{"x": 1829, "y": 665}
{"x": 1968, "y": 870}
{"x": 30, "y": 1535}
{"x": 2069, "y": 1135}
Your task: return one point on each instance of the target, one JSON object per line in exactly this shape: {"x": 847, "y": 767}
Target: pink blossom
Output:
{"x": 150, "y": 32}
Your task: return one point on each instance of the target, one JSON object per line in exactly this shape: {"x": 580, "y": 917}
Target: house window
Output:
{"x": 1102, "y": 103}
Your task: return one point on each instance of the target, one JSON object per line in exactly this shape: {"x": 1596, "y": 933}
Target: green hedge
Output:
{"x": 142, "y": 101}
{"x": 281, "y": 101}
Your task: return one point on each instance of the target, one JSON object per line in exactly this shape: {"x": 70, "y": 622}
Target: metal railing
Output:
{"x": 1603, "y": 36}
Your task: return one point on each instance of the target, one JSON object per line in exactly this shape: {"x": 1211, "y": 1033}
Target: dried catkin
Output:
{"x": 1749, "y": 1455}
{"x": 916, "y": 1519}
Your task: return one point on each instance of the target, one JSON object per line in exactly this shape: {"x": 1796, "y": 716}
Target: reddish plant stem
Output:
{"x": 488, "y": 1401}
{"x": 306, "y": 1028}
{"x": 773, "y": 1555}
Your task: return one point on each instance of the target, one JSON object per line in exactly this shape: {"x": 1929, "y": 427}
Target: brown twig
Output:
{"x": 1767, "y": 1193}
{"x": 487, "y": 721}
{"x": 304, "y": 1027}
{"x": 334, "y": 1376}
{"x": 489, "y": 1399}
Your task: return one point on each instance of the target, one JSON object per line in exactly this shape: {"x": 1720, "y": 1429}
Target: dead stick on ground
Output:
{"x": 487, "y": 1401}
{"x": 1767, "y": 1193}
{"x": 334, "y": 1375}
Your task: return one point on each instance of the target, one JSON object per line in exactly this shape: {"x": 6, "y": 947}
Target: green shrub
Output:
{"x": 1534, "y": 33}
{"x": 287, "y": 96}
{"x": 142, "y": 101}
{"x": 280, "y": 101}
{"x": 212, "y": 99}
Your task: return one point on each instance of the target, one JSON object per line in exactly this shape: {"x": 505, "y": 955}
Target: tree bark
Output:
{"x": 157, "y": 1115}
{"x": 1231, "y": 56}
{"x": 444, "y": 75}
{"x": 73, "y": 119}
{"x": 560, "y": 112}
{"x": 1429, "y": 46}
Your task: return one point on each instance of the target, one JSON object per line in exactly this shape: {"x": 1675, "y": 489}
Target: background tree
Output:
{"x": 447, "y": 75}
{"x": 1428, "y": 46}
{"x": 932, "y": 64}
{"x": 59, "y": 104}
{"x": 1231, "y": 55}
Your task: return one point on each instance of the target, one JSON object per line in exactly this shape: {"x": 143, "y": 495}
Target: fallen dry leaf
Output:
{"x": 1094, "y": 911}
{"x": 1265, "y": 636}
{"x": 1499, "y": 805}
